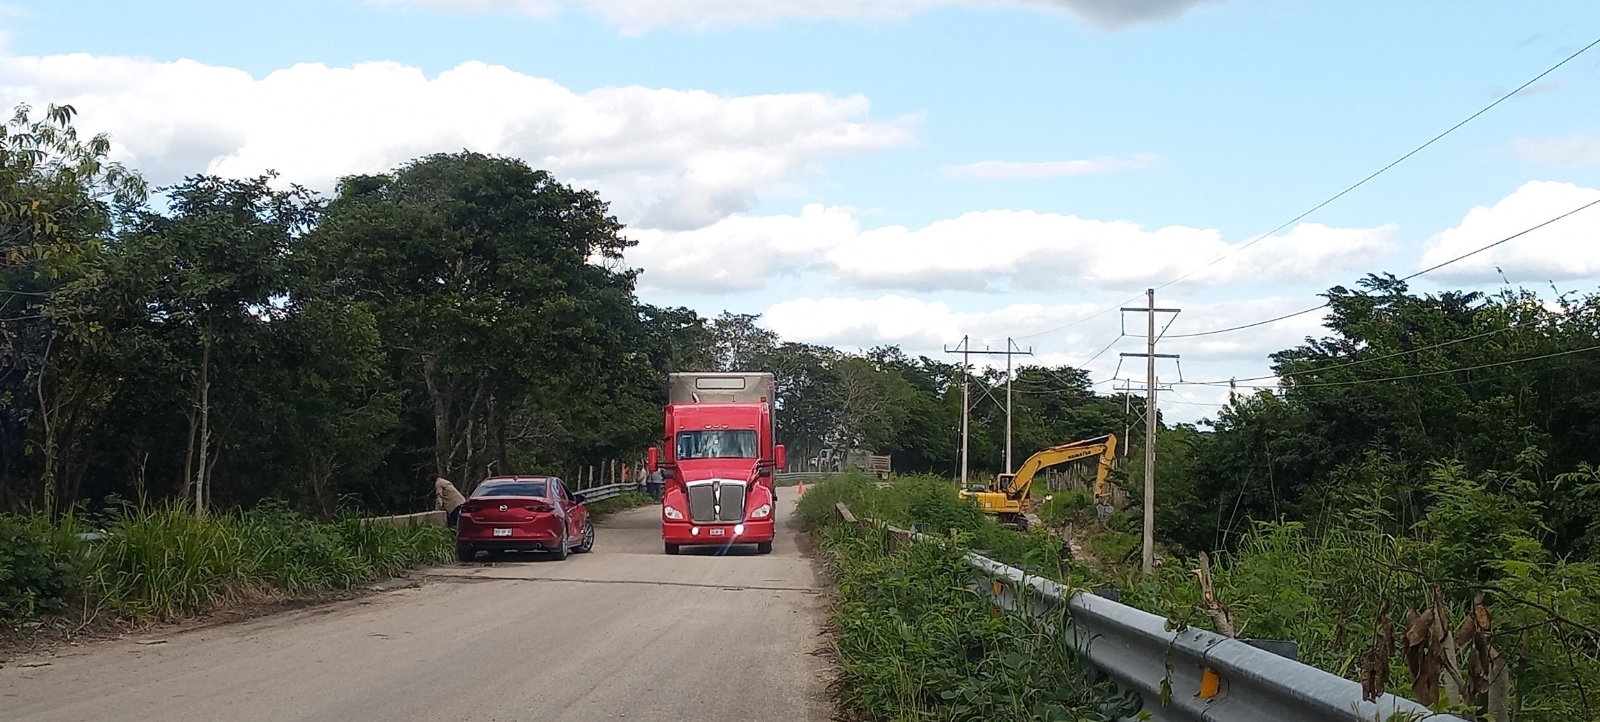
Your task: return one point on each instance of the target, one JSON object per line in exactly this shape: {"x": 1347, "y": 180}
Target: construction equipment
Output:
{"x": 1007, "y": 496}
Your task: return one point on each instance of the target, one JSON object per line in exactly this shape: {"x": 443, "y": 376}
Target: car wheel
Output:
{"x": 465, "y": 553}
{"x": 585, "y": 546}
{"x": 561, "y": 550}
{"x": 764, "y": 548}
{"x": 672, "y": 548}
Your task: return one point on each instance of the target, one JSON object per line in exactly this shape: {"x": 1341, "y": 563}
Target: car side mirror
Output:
{"x": 579, "y": 498}
{"x": 651, "y": 458}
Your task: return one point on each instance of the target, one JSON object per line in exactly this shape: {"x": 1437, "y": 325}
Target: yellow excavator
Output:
{"x": 1007, "y": 496}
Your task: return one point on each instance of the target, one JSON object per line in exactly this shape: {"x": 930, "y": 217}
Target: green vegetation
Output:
{"x": 163, "y": 564}
{"x": 913, "y": 644}
{"x": 1333, "y": 591}
{"x": 625, "y": 500}
{"x": 449, "y": 317}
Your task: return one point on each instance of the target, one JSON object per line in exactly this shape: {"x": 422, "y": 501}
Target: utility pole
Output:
{"x": 1150, "y": 357}
{"x": 1009, "y": 352}
{"x": 1008, "y": 404}
{"x": 1127, "y": 417}
{"x": 966, "y": 404}
{"x": 965, "y": 349}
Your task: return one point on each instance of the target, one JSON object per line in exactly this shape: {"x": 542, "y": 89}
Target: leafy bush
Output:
{"x": 35, "y": 576}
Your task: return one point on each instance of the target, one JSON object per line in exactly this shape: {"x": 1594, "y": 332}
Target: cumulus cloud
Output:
{"x": 739, "y": 253}
{"x": 666, "y": 158}
{"x": 1573, "y": 151}
{"x": 641, "y": 16}
{"x": 994, "y": 251}
{"x": 1569, "y": 248}
{"x": 1007, "y": 170}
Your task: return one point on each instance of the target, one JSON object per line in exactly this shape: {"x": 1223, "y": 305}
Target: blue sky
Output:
{"x": 719, "y": 123}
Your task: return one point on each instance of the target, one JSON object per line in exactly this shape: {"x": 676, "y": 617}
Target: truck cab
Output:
{"x": 720, "y": 455}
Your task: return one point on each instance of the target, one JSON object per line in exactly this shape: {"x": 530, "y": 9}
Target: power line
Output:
{"x": 1089, "y": 317}
{"x": 1358, "y": 362}
{"x": 1323, "y": 204}
{"x": 1102, "y": 351}
{"x": 1442, "y": 372}
{"x": 1303, "y": 312}
{"x": 1476, "y": 251}
{"x": 1384, "y": 169}
{"x": 1429, "y": 269}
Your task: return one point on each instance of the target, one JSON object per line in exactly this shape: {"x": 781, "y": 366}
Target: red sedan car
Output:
{"x": 523, "y": 513}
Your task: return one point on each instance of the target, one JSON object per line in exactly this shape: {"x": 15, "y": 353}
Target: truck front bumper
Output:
{"x": 684, "y": 533}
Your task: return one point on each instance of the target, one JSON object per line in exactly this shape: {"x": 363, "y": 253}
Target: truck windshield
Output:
{"x": 717, "y": 444}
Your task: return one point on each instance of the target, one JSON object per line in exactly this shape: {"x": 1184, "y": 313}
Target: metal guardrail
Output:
{"x": 433, "y": 518}
{"x": 609, "y": 491}
{"x": 1137, "y": 651}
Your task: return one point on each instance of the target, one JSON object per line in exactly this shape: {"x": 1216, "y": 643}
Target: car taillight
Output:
{"x": 541, "y": 508}
{"x": 470, "y": 508}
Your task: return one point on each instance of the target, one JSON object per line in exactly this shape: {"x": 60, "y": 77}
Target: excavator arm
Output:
{"x": 1105, "y": 447}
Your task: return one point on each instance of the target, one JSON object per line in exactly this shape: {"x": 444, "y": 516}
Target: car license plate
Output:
{"x": 502, "y": 532}
{"x": 718, "y": 532}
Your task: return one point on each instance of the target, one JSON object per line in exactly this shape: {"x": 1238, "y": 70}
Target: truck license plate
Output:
{"x": 502, "y": 532}
{"x": 718, "y": 532}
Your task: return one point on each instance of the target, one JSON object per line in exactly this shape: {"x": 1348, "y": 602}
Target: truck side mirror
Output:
{"x": 650, "y": 459}
{"x": 779, "y": 457}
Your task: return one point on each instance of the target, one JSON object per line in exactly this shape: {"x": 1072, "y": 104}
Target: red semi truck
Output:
{"x": 719, "y": 461}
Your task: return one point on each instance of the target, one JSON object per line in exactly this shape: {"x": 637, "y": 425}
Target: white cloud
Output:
{"x": 738, "y": 253}
{"x": 641, "y": 16}
{"x": 993, "y": 251}
{"x": 666, "y": 158}
{"x": 1573, "y": 151}
{"x": 1568, "y": 248}
{"x": 999, "y": 169}
{"x": 927, "y": 326}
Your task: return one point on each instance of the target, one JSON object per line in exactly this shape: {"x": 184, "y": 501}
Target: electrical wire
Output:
{"x": 1429, "y": 269}
{"x": 1439, "y": 373}
{"x": 1327, "y": 202}
{"x": 1089, "y": 317}
{"x": 1319, "y": 369}
{"x": 1102, "y": 351}
{"x": 1385, "y": 169}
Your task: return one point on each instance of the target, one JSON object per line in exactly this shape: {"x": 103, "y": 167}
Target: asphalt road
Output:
{"x": 622, "y": 633}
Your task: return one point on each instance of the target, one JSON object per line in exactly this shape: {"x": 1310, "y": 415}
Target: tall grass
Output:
{"x": 929, "y": 504}
{"x": 913, "y": 643}
{"x": 167, "y": 563}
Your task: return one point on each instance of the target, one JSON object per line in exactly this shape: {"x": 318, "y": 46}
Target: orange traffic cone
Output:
{"x": 801, "y": 489}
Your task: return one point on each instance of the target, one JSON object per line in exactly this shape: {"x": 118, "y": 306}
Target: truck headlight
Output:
{"x": 671, "y": 513}
{"x": 761, "y": 512}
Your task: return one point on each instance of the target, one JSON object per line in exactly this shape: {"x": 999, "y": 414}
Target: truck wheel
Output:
{"x": 671, "y": 548}
{"x": 764, "y": 548}
{"x": 465, "y": 553}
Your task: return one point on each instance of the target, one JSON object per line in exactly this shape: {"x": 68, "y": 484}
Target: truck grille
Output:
{"x": 704, "y": 502}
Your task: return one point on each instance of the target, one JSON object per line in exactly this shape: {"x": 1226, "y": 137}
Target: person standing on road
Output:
{"x": 447, "y": 499}
{"x": 653, "y": 484}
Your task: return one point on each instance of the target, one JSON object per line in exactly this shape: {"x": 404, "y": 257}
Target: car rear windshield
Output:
{"x": 510, "y": 488}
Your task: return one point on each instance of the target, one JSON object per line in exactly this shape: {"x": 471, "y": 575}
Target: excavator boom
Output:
{"x": 1008, "y": 494}
{"x": 1104, "y": 447}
